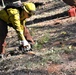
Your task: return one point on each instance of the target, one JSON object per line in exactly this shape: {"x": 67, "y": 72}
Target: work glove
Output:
{"x": 2, "y": 56}
{"x": 26, "y": 46}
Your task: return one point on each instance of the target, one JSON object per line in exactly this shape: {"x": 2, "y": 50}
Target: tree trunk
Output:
{"x": 70, "y": 2}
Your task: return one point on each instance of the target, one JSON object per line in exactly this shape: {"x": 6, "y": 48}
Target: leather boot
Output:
{"x": 2, "y": 50}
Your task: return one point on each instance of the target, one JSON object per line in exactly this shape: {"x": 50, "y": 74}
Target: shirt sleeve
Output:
{"x": 14, "y": 18}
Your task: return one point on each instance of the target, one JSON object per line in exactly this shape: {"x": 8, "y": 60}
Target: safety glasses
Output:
{"x": 31, "y": 13}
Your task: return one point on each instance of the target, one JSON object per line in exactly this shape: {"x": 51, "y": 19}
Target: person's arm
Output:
{"x": 14, "y": 18}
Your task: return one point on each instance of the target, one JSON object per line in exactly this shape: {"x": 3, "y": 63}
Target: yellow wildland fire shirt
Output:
{"x": 12, "y": 15}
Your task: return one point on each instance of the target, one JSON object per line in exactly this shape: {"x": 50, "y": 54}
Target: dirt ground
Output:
{"x": 57, "y": 56}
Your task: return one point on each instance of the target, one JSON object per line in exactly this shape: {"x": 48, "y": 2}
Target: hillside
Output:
{"x": 54, "y": 33}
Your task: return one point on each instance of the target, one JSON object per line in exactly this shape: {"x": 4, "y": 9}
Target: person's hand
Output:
{"x": 26, "y": 45}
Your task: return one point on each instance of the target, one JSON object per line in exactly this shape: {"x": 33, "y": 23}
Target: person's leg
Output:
{"x": 3, "y": 34}
{"x": 28, "y": 35}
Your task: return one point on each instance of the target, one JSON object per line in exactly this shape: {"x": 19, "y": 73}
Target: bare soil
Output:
{"x": 55, "y": 57}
